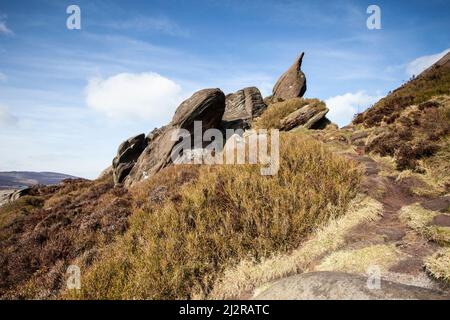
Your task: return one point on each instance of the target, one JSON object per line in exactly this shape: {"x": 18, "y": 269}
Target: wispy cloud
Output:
{"x": 3, "y": 27}
{"x": 145, "y": 23}
{"x": 3, "y": 77}
{"x": 420, "y": 64}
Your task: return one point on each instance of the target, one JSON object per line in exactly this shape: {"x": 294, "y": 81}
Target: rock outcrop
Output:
{"x": 307, "y": 117}
{"x": 127, "y": 155}
{"x": 242, "y": 107}
{"x": 207, "y": 106}
{"x": 292, "y": 83}
{"x": 343, "y": 286}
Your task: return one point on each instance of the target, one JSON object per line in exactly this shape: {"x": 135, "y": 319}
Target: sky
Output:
{"x": 69, "y": 97}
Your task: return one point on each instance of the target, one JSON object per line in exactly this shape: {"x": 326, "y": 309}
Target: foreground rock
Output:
{"x": 5, "y": 196}
{"x": 127, "y": 155}
{"x": 242, "y": 107}
{"x": 308, "y": 117}
{"x": 292, "y": 83}
{"x": 206, "y": 105}
{"x": 343, "y": 286}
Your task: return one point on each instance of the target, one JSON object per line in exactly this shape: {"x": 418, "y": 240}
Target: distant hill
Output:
{"x": 21, "y": 179}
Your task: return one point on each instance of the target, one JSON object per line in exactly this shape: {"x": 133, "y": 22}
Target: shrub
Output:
{"x": 438, "y": 265}
{"x": 53, "y": 226}
{"x": 179, "y": 247}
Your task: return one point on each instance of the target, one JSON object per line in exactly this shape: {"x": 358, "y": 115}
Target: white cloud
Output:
{"x": 420, "y": 64}
{"x": 134, "y": 96}
{"x": 4, "y": 29}
{"x": 3, "y": 77}
{"x": 6, "y": 118}
{"x": 344, "y": 107}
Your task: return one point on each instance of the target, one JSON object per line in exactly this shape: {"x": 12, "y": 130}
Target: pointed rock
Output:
{"x": 292, "y": 83}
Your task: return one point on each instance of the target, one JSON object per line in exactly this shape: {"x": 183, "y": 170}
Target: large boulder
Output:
{"x": 127, "y": 155}
{"x": 308, "y": 116}
{"x": 292, "y": 83}
{"x": 206, "y": 105}
{"x": 242, "y": 107}
{"x": 343, "y": 286}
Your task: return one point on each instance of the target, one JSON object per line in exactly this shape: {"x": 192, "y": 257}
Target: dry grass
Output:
{"x": 360, "y": 260}
{"x": 420, "y": 220}
{"x": 250, "y": 274}
{"x": 271, "y": 118}
{"x": 438, "y": 265}
{"x": 437, "y": 168}
{"x": 178, "y": 249}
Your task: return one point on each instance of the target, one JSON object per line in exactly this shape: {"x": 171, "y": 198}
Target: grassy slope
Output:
{"x": 178, "y": 247}
{"x": 189, "y": 225}
{"x": 412, "y": 124}
{"x": 432, "y": 82}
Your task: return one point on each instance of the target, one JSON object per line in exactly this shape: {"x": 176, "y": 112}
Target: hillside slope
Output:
{"x": 432, "y": 82}
{"x": 344, "y": 200}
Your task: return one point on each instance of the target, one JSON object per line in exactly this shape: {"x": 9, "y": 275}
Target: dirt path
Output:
{"x": 390, "y": 230}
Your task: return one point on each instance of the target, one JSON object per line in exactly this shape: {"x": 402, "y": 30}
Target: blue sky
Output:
{"x": 69, "y": 97}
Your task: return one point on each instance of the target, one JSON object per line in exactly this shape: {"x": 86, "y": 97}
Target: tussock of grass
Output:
{"x": 438, "y": 265}
{"x": 273, "y": 115}
{"x": 178, "y": 249}
{"x": 250, "y": 274}
{"x": 360, "y": 260}
{"x": 437, "y": 168}
{"x": 420, "y": 219}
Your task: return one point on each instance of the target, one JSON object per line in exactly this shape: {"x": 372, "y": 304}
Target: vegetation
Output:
{"x": 417, "y": 133}
{"x": 360, "y": 260}
{"x": 43, "y": 232}
{"x": 433, "y": 82}
{"x": 250, "y": 274}
{"x": 438, "y": 265}
{"x": 271, "y": 118}
{"x": 421, "y": 220}
{"x": 179, "y": 247}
